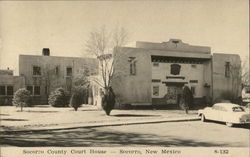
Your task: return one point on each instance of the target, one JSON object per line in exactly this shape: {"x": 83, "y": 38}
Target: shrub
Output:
{"x": 186, "y": 99}
{"x": 77, "y": 97}
{"x": 108, "y": 100}
{"x": 76, "y": 101}
{"x": 22, "y": 98}
{"x": 58, "y": 98}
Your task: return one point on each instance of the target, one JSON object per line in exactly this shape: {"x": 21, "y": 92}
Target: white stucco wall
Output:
{"x": 189, "y": 72}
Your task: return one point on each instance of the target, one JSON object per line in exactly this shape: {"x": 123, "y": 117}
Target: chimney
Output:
{"x": 46, "y": 51}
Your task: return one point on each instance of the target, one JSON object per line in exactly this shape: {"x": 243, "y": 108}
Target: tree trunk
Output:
{"x": 75, "y": 108}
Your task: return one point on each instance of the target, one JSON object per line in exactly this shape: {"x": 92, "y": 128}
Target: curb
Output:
{"x": 104, "y": 125}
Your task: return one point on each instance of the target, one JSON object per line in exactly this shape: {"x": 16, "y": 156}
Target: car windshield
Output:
{"x": 238, "y": 109}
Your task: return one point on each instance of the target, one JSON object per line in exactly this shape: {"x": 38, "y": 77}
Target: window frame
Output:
{"x": 156, "y": 64}
{"x": 57, "y": 70}
{"x": 69, "y": 67}
{"x": 4, "y": 87}
{"x": 132, "y": 65}
{"x": 156, "y": 87}
{"x": 34, "y": 71}
{"x": 227, "y": 69}
{"x": 34, "y": 90}
{"x": 7, "y": 91}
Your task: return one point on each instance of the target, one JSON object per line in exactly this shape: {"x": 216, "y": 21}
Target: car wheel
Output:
{"x": 203, "y": 119}
{"x": 229, "y": 124}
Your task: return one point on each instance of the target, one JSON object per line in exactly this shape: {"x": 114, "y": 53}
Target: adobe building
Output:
{"x": 154, "y": 73}
{"x": 44, "y": 73}
{"x": 8, "y": 85}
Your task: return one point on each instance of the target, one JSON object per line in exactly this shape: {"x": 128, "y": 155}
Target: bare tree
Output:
{"x": 103, "y": 44}
{"x": 245, "y": 73}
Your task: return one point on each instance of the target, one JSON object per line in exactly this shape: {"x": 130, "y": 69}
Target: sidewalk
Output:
{"x": 49, "y": 118}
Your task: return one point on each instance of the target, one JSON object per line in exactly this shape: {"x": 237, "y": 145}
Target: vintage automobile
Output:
{"x": 246, "y": 95}
{"x": 225, "y": 112}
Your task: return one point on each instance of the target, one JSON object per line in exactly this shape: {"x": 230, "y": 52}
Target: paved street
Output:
{"x": 190, "y": 134}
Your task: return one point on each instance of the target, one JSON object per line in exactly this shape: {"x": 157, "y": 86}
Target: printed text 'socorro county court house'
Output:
{"x": 153, "y": 73}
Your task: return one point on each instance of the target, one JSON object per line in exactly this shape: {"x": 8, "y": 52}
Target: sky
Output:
{"x": 63, "y": 26}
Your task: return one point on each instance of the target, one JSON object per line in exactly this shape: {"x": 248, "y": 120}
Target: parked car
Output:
{"x": 246, "y": 95}
{"x": 225, "y": 112}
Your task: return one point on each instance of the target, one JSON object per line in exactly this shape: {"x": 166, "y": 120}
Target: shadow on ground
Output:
{"x": 41, "y": 111}
{"x": 243, "y": 126}
{"x": 92, "y": 137}
{"x": 4, "y": 114}
{"x": 134, "y": 115}
{"x": 9, "y": 119}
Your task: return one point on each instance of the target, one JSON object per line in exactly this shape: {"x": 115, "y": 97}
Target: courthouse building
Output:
{"x": 154, "y": 73}
{"x": 8, "y": 84}
{"x": 42, "y": 74}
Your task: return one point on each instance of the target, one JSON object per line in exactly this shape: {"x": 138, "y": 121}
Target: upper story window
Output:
{"x": 36, "y": 70}
{"x": 193, "y": 66}
{"x": 155, "y": 64}
{"x": 57, "y": 70}
{"x": 2, "y": 90}
{"x": 132, "y": 65}
{"x": 69, "y": 71}
{"x": 227, "y": 69}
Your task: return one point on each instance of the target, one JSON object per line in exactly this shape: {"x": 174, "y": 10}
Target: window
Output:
{"x": 69, "y": 71}
{"x": 238, "y": 109}
{"x": 193, "y": 66}
{"x": 36, "y": 90}
{"x": 155, "y": 64}
{"x": 46, "y": 90}
{"x": 30, "y": 89}
{"x": 36, "y": 70}
{"x": 193, "y": 81}
{"x": 227, "y": 69}
{"x": 132, "y": 65}
{"x": 57, "y": 70}
{"x": 215, "y": 107}
{"x": 155, "y": 90}
{"x": 9, "y": 90}
{"x": 2, "y": 90}
{"x": 219, "y": 108}
{"x": 222, "y": 109}
{"x": 193, "y": 90}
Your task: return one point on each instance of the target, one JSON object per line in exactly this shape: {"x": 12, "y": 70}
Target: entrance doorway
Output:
{"x": 173, "y": 93}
